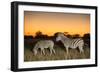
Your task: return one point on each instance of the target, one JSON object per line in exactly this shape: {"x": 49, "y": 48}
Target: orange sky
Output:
{"x": 50, "y": 23}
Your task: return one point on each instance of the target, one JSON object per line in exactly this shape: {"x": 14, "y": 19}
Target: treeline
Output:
{"x": 40, "y": 35}
{"x": 29, "y": 41}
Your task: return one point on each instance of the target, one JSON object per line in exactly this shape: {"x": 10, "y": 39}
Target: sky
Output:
{"x": 52, "y": 22}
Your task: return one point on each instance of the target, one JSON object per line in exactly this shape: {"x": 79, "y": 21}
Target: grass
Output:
{"x": 60, "y": 54}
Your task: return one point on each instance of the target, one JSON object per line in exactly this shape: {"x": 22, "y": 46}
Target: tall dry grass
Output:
{"x": 60, "y": 54}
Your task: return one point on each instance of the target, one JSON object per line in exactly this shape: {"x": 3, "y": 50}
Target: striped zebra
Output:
{"x": 43, "y": 44}
{"x": 70, "y": 43}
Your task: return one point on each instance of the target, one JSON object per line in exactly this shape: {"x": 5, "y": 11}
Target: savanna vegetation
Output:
{"x": 30, "y": 41}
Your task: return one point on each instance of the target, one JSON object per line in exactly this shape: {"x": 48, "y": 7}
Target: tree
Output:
{"x": 28, "y": 37}
{"x": 86, "y": 36}
{"x": 76, "y": 36}
{"x": 38, "y": 34}
{"x": 69, "y": 36}
{"x": 66, "y": 33}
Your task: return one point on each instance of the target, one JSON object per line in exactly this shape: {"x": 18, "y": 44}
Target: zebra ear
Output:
{"x": 65, "y": 33}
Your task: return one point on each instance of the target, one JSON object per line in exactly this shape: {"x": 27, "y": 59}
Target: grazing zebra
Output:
{"x": 70, "y": 43}
{"x": 42, "y": 44}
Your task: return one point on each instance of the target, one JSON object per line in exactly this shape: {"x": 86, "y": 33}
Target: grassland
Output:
{"x": 60, "y": 54}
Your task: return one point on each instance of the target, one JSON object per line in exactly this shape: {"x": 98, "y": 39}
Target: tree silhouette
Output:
{"x": 86, "y": 38}
{"x": 28, "y": 37}
{"x": 66, "y": 33}
{"x": 38, "y": 33}
{"x": 69, "y": 35}
{"x": 76, "y": 36}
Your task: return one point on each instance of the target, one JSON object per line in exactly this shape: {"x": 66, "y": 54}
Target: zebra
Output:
{"x": 42, "y": 44}
{"x": 70, "y": 43}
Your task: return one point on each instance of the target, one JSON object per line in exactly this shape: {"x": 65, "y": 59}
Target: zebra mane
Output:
{"x": 63, "y": 36}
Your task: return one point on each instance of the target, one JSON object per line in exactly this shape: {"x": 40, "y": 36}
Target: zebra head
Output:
{"x": 58, "y": 38}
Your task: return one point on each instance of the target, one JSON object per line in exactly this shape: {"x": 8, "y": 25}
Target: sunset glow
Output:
{"x": 50, "y": 23}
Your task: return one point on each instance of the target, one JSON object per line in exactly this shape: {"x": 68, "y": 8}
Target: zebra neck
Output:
{"x": 64, "y": 39}
{"x": 36, "y": 47}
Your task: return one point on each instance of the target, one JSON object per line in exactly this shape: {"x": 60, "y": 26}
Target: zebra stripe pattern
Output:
{"x": 70, "y": 43}
{"x": 43, "y": 44}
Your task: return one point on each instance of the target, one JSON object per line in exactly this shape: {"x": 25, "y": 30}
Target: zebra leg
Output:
{"x": 51, "y": 51}
{"x": 35, "y": 52}
{"x": 67, "y": 50}
{"x": 81, "y": 49}
{"x": 67, "y": 53}
{"x": 43, "y": 51}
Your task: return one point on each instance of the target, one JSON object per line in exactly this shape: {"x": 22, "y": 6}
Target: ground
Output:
{"x": 60, "y": 54}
